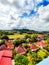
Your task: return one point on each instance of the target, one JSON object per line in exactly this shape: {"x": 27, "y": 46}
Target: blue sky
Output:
{"x": 29, "y": 14}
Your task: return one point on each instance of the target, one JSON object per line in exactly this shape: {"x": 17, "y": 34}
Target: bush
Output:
{"x": 5, "y": 37}
{"x": 21, "y": 60}
{"x": 1, "y": 42}
{"x": 18, "y": 42}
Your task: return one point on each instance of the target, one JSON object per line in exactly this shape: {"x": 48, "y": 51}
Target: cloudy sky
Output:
{"x": 24, "y": 14}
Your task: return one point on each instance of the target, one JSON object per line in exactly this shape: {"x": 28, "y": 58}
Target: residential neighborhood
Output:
{"x": 31, "y": 47}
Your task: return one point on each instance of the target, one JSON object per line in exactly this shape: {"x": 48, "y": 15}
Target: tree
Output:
{"x": 1, "y": 42}
{"x": 34, "y": 38}
{"x": 5, "y": 37}
{"x": 21, "y": 60}
{"x": 19, "y": 41}
{"x": 41, "y": 54}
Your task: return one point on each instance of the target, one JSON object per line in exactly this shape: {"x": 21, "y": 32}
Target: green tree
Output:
{"x": 41, "y": 54}
{"x": 34, "y": 38}
{"x": 21, "y": 60}
{"x": 5, "y": 37}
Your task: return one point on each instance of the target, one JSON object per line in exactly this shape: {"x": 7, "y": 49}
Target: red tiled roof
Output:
{"x": 41, "y": 44}
{"x": 7, "y": 42}
{"x": 5, "y": 57}
{"x": 41, "y": 36}
{"x": 1, "y": 54}
{"x": 7, "y": 53}
{"x": 6, "y": 61}
{"x": 3, "y": 47}
{"x": 20, "y": 49}
{"x": 10, "y": 46}
{"x": 33, "y": 47}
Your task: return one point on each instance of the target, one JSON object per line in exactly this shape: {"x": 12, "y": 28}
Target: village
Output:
{"x": 29, "y": 50}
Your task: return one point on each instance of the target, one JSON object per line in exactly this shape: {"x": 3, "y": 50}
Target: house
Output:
{"x": 41, "y": 37}
{"x": 6, "y": 57}
{"x": 41, "y": 44}
{"x": 33, "y": 47}
{"x": 20, "y": 49}
{"x": 9, "y": 45}
{"x": 3, "y": 47}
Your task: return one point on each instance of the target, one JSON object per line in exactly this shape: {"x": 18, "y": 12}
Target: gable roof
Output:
{"x": 33, "y": 47}
{"x": 9, "y": 45}
{"x": 3, "y": 47}
{"x": 20, "y": 49}
{"x": 41, "y": 44}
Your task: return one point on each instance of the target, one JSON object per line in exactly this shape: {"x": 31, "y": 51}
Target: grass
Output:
{"x": 16, "y": 36}
{"x": 19, "y": 35}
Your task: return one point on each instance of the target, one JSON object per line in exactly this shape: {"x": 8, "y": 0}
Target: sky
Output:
{"x": 24, "y": 14}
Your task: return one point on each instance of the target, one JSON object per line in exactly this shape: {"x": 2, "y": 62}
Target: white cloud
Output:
{"x": 17, "y": 8}
{"x": 11, "y": 1}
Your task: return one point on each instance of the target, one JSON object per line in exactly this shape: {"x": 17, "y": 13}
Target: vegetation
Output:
{"x": 30, "y": 58}
{"x": 21, "y": 60}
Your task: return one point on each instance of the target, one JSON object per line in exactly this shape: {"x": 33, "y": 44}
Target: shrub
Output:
{"x": 21, "y": 60}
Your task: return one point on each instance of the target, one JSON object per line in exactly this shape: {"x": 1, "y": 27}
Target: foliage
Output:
{"x": 41, "y": 54}
{"x": 1, "y": 42}
{"x": 5, "y": 37}
{"x": 18, "y": 42}
{"x": 34, "y": 38}
{"x": 21, "y": 60}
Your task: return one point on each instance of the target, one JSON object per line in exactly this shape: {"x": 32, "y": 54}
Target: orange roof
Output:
{"x": 10, "y": 46}
{"x": 33, "y": 47}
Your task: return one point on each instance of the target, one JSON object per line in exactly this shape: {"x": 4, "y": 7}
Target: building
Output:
{"x": 33, "y": 47}
{"x": 20, "y": 49}
{"x": 3, "y": 47}
{"x": 9, "y": 45}
{"x": 6, "y": 57}
{"x": 41, "y": 44}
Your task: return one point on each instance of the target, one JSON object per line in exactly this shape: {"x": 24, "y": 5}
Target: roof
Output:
{"x": 3, "y": 47}
{"x": 1, "y": 54}
{"x": 6, "y": 61}
{"x": 41, "y": 44}
{"x": 44, "y": 62}
{"x": 7, "y": 42}
{"x": 10, "y": 46}
{"x": 5, "y": 57}
{"x": 7, "y": 53}
{"x": 20, "y": 49}
{"x": 41, "y": 36}
{"x": 33, "y": 47}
